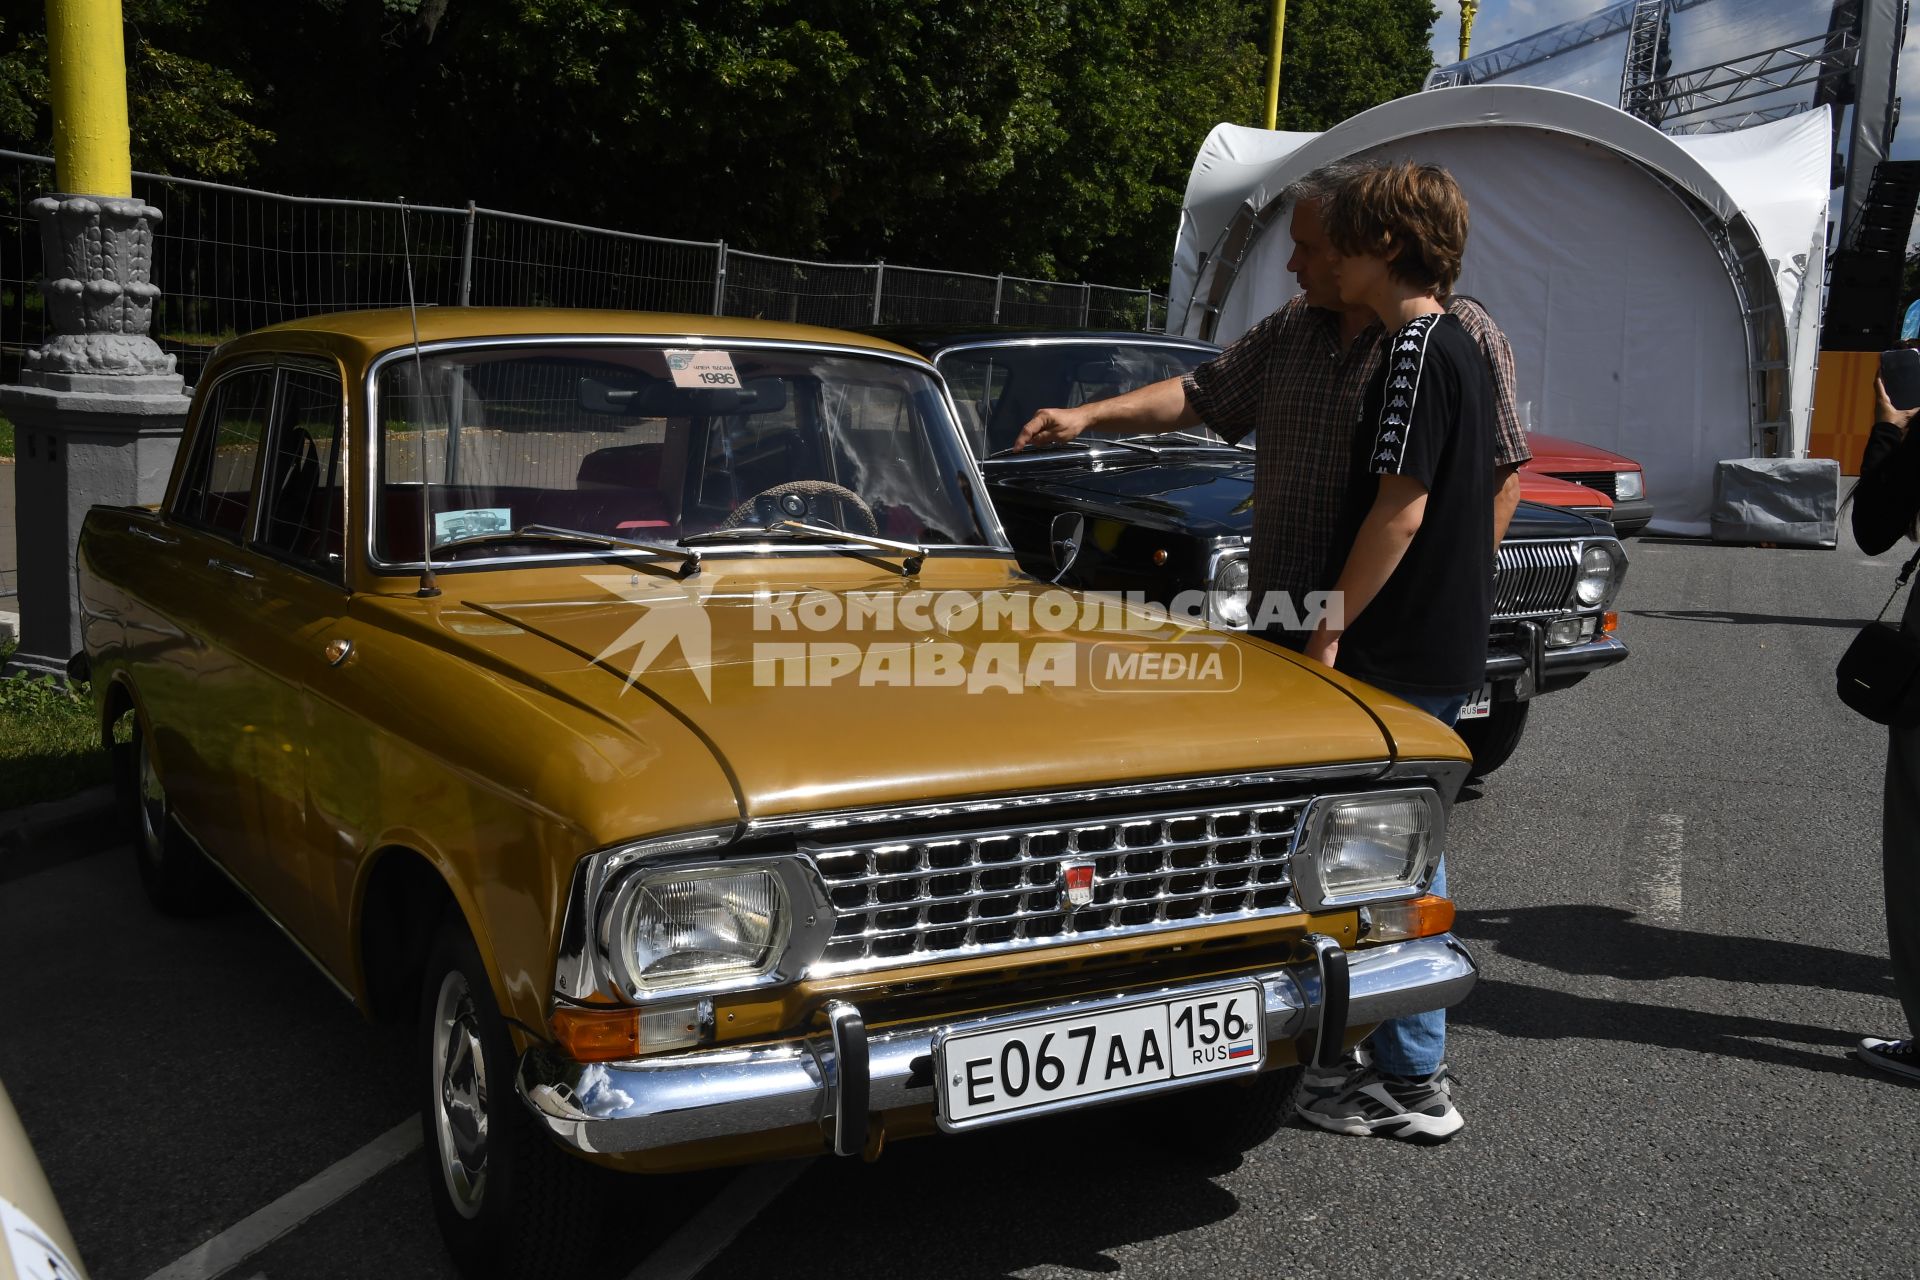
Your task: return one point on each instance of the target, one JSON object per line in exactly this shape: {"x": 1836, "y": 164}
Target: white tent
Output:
{"x": 1652, "y": 286}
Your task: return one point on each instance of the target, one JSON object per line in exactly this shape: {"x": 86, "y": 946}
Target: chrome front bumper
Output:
{"x": 651, "y": 1103}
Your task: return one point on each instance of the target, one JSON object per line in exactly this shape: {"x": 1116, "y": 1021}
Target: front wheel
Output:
{"x": 509, "y": 1201}
{"x": 1493, "y": 738}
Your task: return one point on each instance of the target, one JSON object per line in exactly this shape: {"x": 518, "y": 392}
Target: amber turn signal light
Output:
{"x": 1608, "y": 621}
{"x": 1422, "y": 918}
{"x": 596, "y": 1035}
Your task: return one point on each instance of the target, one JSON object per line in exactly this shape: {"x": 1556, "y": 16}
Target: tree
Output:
{"x": 1043, "y": 137}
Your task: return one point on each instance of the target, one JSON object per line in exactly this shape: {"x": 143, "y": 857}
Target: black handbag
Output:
{"x": 1879, "y": 674}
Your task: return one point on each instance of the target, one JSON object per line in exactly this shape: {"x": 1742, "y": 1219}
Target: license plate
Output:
{"x": 1053, "y": 1062}
{"x": 1481, "y": 706}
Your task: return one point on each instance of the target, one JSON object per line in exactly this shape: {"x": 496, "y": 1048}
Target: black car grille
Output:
{"x": 1601, "y": 480}
{"x": 968, "y": 893}
{"x": 1533, "y": 577}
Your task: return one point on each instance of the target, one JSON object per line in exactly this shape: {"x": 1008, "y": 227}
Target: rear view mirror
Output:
{"x": 1110, "y": 372}
{"x": 658, "y": 398}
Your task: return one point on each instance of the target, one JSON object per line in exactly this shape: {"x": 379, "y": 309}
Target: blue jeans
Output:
{"x": 1416, "y": 1045}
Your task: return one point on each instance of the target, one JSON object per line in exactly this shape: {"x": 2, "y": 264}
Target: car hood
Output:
{"x": 1204, "y": 494}
{"x": 1557, "y": 453}
{"x": 699, "y": 652}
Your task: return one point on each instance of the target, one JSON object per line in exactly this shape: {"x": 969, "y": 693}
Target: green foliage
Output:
{"x": 1343, "y": 57}
{"x": 6, "y": 438}
{"x": 1032, "y": 136}
{"x": 49, "y": 745}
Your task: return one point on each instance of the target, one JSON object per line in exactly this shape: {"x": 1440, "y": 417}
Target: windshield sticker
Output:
{"x": 449, "y": 525}
{"x": 34, "y": 1254}
{"x": 710, "y": 369}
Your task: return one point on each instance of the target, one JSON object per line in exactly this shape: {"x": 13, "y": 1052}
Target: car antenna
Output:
{"x": 428, "y": 586}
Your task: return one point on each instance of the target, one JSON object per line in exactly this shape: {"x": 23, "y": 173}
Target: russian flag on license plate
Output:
{"x": 1240, "y": 1051}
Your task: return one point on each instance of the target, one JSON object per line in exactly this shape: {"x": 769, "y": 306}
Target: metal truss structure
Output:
{"x": 1646, "y": 60}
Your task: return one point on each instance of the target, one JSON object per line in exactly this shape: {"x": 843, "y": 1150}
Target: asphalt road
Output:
{"x": 1673, "y": 890}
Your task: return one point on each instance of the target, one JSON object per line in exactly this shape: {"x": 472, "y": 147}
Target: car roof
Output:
{"x": 929, "y": 338}
{"x": 368, "y": 333}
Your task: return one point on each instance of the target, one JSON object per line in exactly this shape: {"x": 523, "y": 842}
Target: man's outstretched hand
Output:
{"x": 1051, "y": 426}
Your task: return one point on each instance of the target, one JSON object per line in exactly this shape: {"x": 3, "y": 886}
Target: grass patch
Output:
{"x": 49, "y": 747}
{"x": 6, "y": 438}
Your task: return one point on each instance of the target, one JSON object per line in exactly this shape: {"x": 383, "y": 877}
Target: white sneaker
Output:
{"x": 1371, "y": 1102}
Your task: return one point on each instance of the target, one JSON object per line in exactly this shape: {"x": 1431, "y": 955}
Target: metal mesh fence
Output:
{"x": 230, "y": 259}
{"x": 838, "y": 294}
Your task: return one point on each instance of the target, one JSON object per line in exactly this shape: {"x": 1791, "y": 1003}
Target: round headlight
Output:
{"x": 1598, "y": 578}
{"x": 700, "y": 926}
{"x": 1228, "y": 595}
{"x": 1628, "y": 485}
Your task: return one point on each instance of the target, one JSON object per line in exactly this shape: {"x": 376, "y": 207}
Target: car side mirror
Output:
{"x": 1068, "y": 535}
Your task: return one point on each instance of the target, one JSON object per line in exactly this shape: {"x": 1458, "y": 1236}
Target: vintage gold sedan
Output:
{"x": 651, "y": 709}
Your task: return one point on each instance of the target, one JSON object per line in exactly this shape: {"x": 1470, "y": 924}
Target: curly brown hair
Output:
{"x": 1413, "y": 215}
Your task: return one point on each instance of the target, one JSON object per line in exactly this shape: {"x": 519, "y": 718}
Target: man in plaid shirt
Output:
{"x": 1297, "y": 381}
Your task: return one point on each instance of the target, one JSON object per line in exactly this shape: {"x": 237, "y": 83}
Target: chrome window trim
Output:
{"x": 1084, "y": 339}
{"x": 1309, "y": 883}
{"x": 984, "y": 511}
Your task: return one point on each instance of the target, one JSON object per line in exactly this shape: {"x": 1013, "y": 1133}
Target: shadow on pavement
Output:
{"x": 1518, "y": 1011}
{"x": 1611, "y": 942}
{"x": 1061, "y": 1193}
{"x": 1752, "y": 619}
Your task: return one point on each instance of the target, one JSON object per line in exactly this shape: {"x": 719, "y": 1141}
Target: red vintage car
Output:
{"x": 1587, "y": 478}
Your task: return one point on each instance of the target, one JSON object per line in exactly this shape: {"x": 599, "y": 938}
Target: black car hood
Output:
{"x": 1207, "y": 494}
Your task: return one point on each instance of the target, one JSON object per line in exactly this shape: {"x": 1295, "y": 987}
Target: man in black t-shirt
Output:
{"x": 1412, "y": 560}
{"x": 1426, "y": 427}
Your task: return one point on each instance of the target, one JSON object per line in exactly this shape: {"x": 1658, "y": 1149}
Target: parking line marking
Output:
{"x": 1659, "y": 873}
{"x": 685, "y": 1253}
{"x": 264, "y": 1226}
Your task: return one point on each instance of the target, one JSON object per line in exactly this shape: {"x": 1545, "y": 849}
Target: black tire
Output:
{"x": 1493, "y": 739}
{"x": 1226, "y": 1119}
{"x": 526, "y": 1209}
{"x": 178, "y": 879}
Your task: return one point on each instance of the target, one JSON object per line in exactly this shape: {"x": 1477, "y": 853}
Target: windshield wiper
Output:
{"x": 912, "y": 557}
{"x": 1080, "y": 441}
{"x": 689, "y": 560}
{"x": 1189, "y": 439}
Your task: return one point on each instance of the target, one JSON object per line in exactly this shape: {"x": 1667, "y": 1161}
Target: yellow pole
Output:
{"x": 1273, "y": 68}
{"x": 1467, "y": 9}
{"x": 87, "y": 58}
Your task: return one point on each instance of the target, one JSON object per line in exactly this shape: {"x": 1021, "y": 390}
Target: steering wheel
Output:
{"x": 794, "y": 500}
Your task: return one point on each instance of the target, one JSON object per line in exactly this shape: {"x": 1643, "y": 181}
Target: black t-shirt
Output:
{"x": 1428, "y": 415}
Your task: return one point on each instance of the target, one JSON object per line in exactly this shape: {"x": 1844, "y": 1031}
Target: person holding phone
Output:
{"x": 1886, "y": 508}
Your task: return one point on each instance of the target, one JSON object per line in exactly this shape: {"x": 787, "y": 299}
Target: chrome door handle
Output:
{"x": 227, "y": 566}
{"x": 151, "y": 536}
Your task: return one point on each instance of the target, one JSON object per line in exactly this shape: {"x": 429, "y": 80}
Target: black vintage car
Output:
{"x": 1172, "y": 513}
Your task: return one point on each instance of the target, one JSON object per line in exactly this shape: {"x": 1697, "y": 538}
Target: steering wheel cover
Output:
{"x": 806, "y": 490}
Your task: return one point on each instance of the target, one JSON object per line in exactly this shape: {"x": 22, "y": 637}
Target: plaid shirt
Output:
{"x": 1287, "y": 381}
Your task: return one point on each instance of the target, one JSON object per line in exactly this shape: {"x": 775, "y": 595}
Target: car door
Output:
{"x": 196, "y": 689}
{"x": 297, "y": 601}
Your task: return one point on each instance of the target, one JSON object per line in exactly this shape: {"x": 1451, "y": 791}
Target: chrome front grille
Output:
{"x": 939, "y": 896}
{"x": 1534, "y": 578}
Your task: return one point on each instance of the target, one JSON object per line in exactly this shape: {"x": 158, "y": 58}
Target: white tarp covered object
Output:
{"x": 1652, "y": 286}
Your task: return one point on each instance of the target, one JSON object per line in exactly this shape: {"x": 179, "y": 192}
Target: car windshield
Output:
{"x": 998, "y": 388}
{"x": 653, "y": 444}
